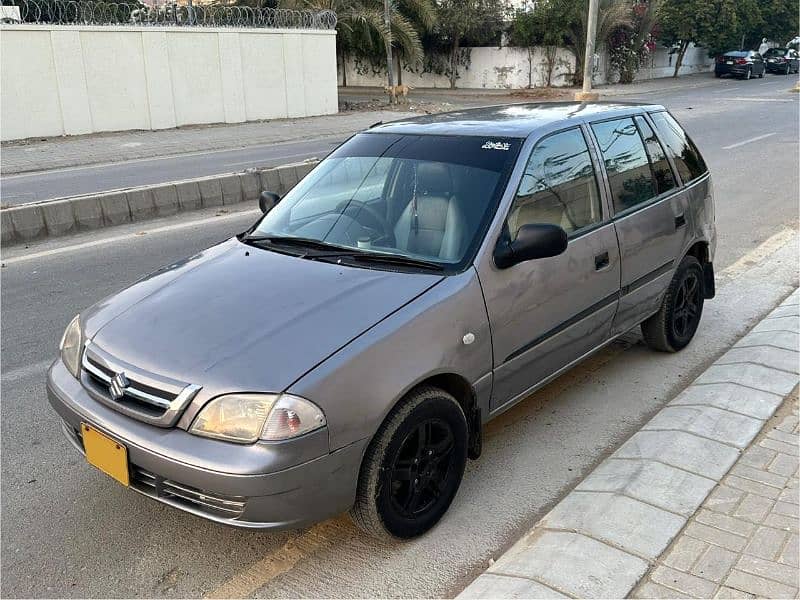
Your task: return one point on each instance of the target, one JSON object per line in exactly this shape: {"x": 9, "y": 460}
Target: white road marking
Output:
{"x": 127, "y": 236}
{"x": 749, "y": 141}
{"x": 256, "y": 161}
{"x": 751, "y": 99}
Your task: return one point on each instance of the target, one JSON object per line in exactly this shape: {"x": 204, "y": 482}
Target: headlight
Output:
{"x": 71, "y": 345}
{"x": 245, "y": 418}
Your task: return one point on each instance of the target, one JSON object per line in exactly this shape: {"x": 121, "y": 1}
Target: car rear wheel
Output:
{"x": 749, "y": 73}
{"x": 788, "y": 68}
{"x": 413, "y": 467}
{"x": 674, "y": 325}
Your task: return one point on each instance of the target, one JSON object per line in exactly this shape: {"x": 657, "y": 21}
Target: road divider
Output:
{"x": 65, "y": 216}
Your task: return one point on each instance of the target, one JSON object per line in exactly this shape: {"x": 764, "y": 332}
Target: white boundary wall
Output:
{"x": 67, "y": 80}
{"x": 508, "y": 67}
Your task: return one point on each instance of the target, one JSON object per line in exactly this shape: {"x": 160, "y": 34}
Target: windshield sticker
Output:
{"x": 496, "y": 146}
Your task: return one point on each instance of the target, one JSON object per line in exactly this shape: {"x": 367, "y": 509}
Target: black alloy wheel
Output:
{"x": 674, "y": 325}
{"x": 413, "y": 466}
{"x": 422, "y": 469}
{"x": 687, "y": 306}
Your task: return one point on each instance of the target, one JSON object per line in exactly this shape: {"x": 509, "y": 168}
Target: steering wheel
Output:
{"x": 378, "y": 219}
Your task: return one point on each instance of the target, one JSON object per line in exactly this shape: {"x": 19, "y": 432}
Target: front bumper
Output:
{"x": 283, "y": 499}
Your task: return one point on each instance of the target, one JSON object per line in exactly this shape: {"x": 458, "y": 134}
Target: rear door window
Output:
{"x": 662, "y": 172}
{"x": 684, "y": 153}
{"x": 626, "y": 161}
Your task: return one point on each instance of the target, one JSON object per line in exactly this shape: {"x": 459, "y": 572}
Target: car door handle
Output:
{"x": 680, "y": 221}
{"x": 601, "y": 261}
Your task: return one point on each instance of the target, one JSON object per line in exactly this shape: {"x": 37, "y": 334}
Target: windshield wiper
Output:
{"x": 326, "y": 251}
{"x": 285, "y": 240}
{"x": 391, "y": 259}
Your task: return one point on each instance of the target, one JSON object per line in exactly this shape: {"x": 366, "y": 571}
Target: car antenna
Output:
{"x": 375, "y": 124}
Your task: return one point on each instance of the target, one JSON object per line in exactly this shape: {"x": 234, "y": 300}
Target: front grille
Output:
{"x": 137, "y": 393}
{"x": 156, "y": 486}
{"x": 137, "y": 396}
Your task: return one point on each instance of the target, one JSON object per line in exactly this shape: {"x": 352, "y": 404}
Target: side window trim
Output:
{"x": 675, "y": 174}
{"x": 670, "y": 159}
{"x": 605, "y": 215}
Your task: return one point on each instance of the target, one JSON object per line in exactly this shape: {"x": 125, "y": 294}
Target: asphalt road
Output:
{"x": 70, "y": 531}
{"x": 74, "y": 181}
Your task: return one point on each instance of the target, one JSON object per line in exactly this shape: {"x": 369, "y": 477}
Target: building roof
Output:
{"x": 511, "y": 120}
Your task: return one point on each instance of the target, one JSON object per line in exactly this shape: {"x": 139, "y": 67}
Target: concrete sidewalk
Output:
{"x": 613, "y": 530}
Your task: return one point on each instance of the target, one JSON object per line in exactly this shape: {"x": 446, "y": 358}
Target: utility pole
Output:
{"x": 587, "y": 95}
{"x": 387, "y": 20}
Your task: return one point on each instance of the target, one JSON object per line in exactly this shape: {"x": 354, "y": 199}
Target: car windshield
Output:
{"x": 776, "y": 52}
{"x": 426, "y": 197}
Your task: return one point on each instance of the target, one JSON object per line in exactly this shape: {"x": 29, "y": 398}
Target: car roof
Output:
{"x": 512, "y": 120}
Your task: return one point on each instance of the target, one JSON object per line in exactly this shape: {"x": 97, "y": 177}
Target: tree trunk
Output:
{"x": 679, "y": 59}
{"x": 530, "y": 67}
{"x": 399, "y": 69}
{"x": 344, "y": 69}
{"x": 454, "y": 65}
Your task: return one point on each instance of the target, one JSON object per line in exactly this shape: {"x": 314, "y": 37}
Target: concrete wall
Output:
{"x": 67, "y": 80}
{"x": 508, "y": 68}
{"x": 490, "y": 68}
{"x": 662, "y": 64}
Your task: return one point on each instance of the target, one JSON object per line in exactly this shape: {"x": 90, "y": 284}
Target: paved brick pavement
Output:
{"x": 743, "y": 541}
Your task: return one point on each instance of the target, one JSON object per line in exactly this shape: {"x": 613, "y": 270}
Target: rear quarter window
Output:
{"x": 684, "y": 153}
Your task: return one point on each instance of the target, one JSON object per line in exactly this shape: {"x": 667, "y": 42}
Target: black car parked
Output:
{"x": 744, "y": 64}
{"x": 781, "y": 60}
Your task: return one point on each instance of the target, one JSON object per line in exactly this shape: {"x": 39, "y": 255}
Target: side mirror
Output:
{"x": 539, "y": 240}
{"x": 267, "y": 201}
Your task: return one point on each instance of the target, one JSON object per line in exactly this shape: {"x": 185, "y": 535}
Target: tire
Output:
{"x": 717, "y": 75}
{"x": 397, "y": 474}
{"x": 674, "y": 325}
{"x": 748, "y": 74}
{"x": 788, "y": 69}
{"x": 761, "y": 75}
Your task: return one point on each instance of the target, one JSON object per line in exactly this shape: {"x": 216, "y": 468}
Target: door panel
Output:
{"x": 649, "y": 240}
{"x": 547, "y": 313}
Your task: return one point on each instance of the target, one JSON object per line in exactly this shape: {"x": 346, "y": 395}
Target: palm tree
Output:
{"x": 361, "y": 28}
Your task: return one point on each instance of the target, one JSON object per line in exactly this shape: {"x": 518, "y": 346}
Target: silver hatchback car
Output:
{"x": 345, "y": 351}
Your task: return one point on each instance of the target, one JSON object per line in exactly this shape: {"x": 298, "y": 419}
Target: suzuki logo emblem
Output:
{"x": 118, "y": 384}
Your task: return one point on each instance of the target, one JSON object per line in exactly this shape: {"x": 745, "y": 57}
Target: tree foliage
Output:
{"x": 361, "y": 30}
{"x": 466, "y": 22}
{"x": 724, "y": 25}
{"x": 548, "y": 27}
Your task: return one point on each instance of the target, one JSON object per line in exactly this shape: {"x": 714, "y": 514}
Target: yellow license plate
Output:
{"x": 104, "y": 453}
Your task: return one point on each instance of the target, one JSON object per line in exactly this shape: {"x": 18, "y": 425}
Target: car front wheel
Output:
{"x": 674, "y": 325}
{"x": 413, "y": 467}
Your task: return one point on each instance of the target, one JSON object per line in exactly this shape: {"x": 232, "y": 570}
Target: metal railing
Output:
{"x": 97, "y": 12}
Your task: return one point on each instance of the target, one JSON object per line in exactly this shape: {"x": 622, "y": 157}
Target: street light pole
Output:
{"x": 387, "y": 20}
{"x": 587, "y": 95}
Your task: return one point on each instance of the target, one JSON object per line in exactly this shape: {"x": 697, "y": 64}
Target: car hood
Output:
{"x": 236, "y": 318}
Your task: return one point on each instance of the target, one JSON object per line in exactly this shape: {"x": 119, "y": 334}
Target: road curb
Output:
{"x": 65, "y": 216}
{"x": 604, "y": 536}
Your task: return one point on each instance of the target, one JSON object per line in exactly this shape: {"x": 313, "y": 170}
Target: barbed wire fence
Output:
{"x": 98, "y": 12}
